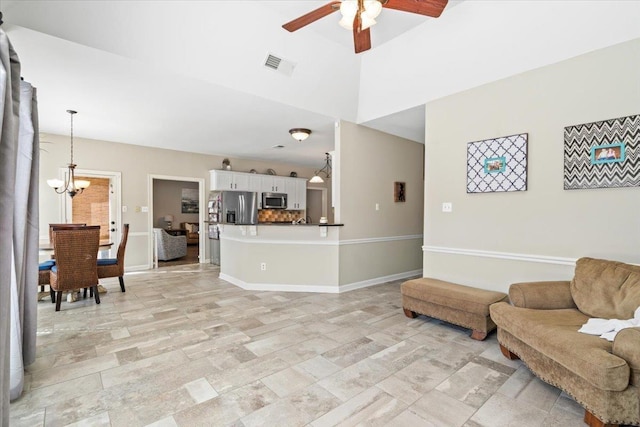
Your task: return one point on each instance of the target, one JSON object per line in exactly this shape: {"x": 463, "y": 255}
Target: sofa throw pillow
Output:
{"x": 606, "y": 289}
{"x": 188, "y": 227}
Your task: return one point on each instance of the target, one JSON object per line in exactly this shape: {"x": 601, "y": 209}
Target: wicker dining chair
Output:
{"x": 45, "y": 267}
{"x": 76, "y": 267}
{"x": 114, "y": 267}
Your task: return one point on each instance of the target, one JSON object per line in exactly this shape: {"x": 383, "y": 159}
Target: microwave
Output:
{"x": 274, "y": 200}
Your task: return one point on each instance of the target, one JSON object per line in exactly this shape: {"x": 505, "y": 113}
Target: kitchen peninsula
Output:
{"x": 281, "y": 257}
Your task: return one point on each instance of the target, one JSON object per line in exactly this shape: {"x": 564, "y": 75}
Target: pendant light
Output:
{"x": 70, "y": 185}
{"x": 326, "y": 170}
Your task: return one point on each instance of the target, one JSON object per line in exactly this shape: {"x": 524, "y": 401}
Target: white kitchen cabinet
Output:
{"x": 296, "y": 189}
{"x": 227, "y": 180}
{"x": 273, "y": 184}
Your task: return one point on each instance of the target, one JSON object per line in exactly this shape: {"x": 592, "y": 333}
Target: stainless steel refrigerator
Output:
{"x": 229, "y": 207}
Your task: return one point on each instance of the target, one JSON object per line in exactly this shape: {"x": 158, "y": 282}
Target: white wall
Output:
{"x": 549, "y": 225}
{"x": 477, "y": 42}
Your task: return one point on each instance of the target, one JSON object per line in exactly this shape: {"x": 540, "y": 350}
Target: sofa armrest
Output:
{"x": 626, "y": 345}
{"x": 551, "y": 295}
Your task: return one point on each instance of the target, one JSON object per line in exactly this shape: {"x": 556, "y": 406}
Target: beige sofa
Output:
{"x": 541, "y": 328}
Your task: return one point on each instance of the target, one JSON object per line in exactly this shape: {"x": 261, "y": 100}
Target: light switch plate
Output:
{"x": 447, "y": 207}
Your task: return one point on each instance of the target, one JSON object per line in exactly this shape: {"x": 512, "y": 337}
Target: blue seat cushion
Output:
{"x": 46, "y": 265}
{"x": 107, "y": 261}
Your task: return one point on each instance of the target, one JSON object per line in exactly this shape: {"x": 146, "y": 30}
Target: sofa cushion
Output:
{"x": 606, "y": 289}
{"x": 554, "y": 333}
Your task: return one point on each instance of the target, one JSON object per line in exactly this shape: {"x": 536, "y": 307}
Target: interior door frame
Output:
{"x": 201, "y": 215}
{"x": 115, "y": 179}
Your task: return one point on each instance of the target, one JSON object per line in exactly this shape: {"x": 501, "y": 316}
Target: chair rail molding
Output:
{"x": 501, "y": 255}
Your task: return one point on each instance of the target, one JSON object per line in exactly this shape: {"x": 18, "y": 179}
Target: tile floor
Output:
{"x": 184, "y": 348}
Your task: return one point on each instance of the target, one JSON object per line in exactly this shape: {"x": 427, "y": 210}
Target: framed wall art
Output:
{"x": 189, "y": 200}
{"x": 399, "y": 191}
{"x": 603, "y": 154}
{"x": 498, "y": 164}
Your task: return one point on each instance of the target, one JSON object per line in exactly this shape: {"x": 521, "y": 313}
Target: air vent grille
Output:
{"x": 278, "y": 146}
{"x": 281, "y": 65}
{"x": 272, "y": 62}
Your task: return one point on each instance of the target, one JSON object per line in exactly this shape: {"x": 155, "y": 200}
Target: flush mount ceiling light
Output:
{"x": 326, "y": 170}
{"x": 300, "y": 134}
{"x": 71, "y": 185}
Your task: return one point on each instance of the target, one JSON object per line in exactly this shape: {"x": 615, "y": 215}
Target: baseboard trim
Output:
{"x": 329, "y": 289}
{"x": 275, "y": 287}
{"x": 380, "y": 280}
{"x": 501, "y": 255}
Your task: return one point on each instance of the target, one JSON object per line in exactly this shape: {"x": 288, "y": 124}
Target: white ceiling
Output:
{"x": 189, "y": 75}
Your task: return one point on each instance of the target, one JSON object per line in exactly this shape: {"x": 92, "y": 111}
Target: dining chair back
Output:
{"x": 76, "y": 252}
{"x": 63, "y": 227}
{"x": 44, "y": 268}
{"x": 114, "y": 267}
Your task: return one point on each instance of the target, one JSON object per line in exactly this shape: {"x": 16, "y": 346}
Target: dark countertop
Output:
{"x": 314, "y": 224}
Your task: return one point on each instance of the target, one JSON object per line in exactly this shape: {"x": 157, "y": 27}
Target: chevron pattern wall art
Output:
{"x": 603, "y": 154}
{"x": 498, "y": 164}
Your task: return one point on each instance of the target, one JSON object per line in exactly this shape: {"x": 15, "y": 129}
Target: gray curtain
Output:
{"x": 19, "y": 149}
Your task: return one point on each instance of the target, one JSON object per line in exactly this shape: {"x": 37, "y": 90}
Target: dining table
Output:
{"x": 46, "y": 246}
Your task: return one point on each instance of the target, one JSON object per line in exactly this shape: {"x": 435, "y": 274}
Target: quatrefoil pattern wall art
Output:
{"x": 498, "y": 164}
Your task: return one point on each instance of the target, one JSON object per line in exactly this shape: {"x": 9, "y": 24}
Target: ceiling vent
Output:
{"x": 278, "y": 146}
{"x": 283, "y": 66}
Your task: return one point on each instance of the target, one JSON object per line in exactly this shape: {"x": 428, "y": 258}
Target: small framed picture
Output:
{"x": 609, "y": 153}
{"x": 399, "y": 191}
{"x": 495, "y": 164}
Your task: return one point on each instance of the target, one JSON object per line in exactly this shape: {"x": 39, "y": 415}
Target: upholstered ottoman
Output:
{"x": 453, "y": 303}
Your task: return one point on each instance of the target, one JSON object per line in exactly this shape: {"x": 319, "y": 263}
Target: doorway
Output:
{"x": 316, "y": 203}
{"x": 98, "y": 204}
{"x": 177, "y": 206}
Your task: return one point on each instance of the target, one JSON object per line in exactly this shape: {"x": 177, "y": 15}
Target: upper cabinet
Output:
{"x": 296, "y": 189}
{"x": 227, "y": 180}
{"x": 273, "y": 184}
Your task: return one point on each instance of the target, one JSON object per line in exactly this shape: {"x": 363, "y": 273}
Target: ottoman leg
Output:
{"x": 410, "y": 314}
{"x": 478, "y": 335}
{"x": 506, "y": 353}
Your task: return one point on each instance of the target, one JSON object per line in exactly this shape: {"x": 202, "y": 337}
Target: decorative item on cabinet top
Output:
{"x": 226, "y": 164}
{"x": 293, "y": 174}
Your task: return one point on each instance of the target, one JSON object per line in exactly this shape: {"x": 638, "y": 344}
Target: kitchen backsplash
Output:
{"x": 278, "y": 215}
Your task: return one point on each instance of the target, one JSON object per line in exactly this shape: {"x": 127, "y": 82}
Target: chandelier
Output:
{"x": 326, "y": 170}
{"x": 71, "y": 185}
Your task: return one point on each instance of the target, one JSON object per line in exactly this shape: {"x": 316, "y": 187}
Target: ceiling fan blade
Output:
{"x": 312, "y": 16}
{"x": 431, "y": 8}
{"x": 361, "y": 39}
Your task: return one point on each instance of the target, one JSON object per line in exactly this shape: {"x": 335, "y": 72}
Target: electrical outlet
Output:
{"x": 447, "y": 207}
{"x": 263, "y": 266}
{"x": 377, "y": 206}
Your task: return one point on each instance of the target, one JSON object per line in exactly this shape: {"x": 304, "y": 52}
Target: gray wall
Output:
{"x": 167, "y": 198}
{"x": 382, "y": 243}
{"x": 537, "y": 233}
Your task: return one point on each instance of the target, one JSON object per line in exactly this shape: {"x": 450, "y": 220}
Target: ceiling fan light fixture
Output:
{"x": 300, "y": 134}
{"x": 349, "y": 9}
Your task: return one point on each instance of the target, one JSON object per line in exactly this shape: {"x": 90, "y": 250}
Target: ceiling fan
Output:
{"x": 359, "y": 15}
